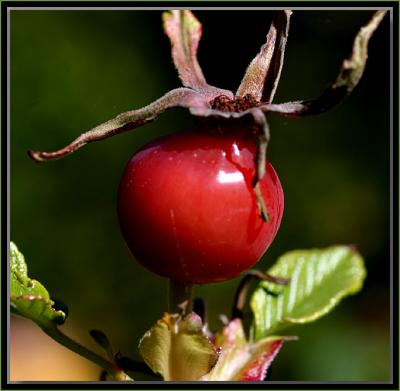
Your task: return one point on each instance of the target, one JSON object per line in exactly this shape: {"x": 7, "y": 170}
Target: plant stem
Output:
{"x": 243, "y": 288}
{"x": 76, "y": 347}
{"x": 179, "y": 294}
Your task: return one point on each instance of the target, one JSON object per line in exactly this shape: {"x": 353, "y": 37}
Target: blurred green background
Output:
{"x": 71, "y": 70}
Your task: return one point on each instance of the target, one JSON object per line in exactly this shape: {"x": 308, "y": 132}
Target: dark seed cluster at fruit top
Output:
{"x": 236, "y": 105}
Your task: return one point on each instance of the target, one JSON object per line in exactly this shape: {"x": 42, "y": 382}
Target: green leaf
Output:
{"x": 320, "y": 278}
{"x": 178, "y": 349}
{"x": 29, "y": 298}
{"x": 241, "y": 360}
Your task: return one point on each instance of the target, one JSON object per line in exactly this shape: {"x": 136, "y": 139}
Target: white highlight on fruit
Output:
{"x": 229, "y": 177}
{"x": 236, "y": 150}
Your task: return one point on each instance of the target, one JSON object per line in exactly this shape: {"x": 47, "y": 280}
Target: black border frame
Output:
{"x": 5, "y": 384}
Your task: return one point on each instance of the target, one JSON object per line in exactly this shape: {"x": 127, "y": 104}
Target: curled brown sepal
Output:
{"x": 348, "y": 77}
{"x": 261, "y": 159}
{"x": 180, "y": 97}
{"x": 184, "y": 32}
{"x": 262, "y": 75}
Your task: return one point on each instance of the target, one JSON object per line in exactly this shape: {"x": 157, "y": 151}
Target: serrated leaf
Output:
{"x": 178, "y": 349}
{"x": 28, "y": 297}
{"x": 241, "y": 360}
{"x": 320, "y": 278}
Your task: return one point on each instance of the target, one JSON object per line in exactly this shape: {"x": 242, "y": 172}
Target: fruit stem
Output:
{"x": 179, "y": 295}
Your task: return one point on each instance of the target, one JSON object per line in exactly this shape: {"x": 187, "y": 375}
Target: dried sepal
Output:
{"x": 348, "y": 77}
{"x": 256, "y": 73}
{"x": 260, "y": 82}
{"x": 281, "y": 23}
{"x": 262, "y": 75}
{"x": 262, "y": 208}
{"x": 180, "y": 97}
{"x": 261, "y": 159}
{"x": 184, "y": 32}
{"x": 353, "y": 68}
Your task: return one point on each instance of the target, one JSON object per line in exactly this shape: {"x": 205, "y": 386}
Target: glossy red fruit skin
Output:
{"x": 187, "y": 209}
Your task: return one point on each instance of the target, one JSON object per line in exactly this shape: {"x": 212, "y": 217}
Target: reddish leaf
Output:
{"x": 241, "y": 360}
{"x": 257, "y": 368}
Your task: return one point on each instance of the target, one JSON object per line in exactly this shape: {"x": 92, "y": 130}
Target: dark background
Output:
{"x": 71, "y": 70}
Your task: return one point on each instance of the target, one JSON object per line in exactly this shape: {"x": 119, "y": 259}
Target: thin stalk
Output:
{"x": 243, "y": 289}
{"x": 179, "y": 296}
{"x": 61, "y": 338}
